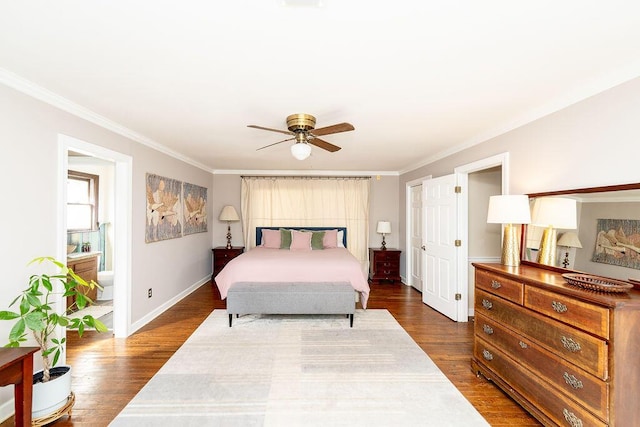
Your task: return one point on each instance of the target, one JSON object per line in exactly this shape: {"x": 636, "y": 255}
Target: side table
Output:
{"x": 16, "y": 367}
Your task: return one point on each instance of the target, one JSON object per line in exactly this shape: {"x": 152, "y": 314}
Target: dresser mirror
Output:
{"x": 606, "y": 241}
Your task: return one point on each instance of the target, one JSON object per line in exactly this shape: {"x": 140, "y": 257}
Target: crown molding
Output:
{"x": 33, "y": 90}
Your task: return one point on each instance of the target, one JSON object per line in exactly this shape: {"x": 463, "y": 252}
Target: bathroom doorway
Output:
{"x": 111, "y": 240}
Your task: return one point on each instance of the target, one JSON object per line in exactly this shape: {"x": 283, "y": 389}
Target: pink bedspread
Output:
{"x": 281, "y": 265}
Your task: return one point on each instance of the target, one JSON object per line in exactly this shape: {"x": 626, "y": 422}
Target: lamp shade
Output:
{"x": 229, "y": 214}
{"x": 556, "y": 212}
{"x": 508, "y": 209}
{"x": 384, "y": 227}
{"x": 569, "y": 240}
{"x": 301, "y": 150}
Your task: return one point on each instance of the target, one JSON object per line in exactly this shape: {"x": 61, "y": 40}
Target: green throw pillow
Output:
{"x": 285, "y": 238}
{"x": 316, "y": 240}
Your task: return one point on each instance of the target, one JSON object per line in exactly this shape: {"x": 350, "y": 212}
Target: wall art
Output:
{"x": 194, "y": 206}
{"x": 618, "y": 242}
{"x": 164, "y": 208}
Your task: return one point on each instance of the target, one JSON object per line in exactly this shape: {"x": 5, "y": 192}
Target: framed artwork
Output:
{"x": 164, "y": 208}
{"x": 618, "y": 242}
{"x": 194, "y": 207}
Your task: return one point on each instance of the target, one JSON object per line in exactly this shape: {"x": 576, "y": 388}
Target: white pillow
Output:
{"x": 340, "y": 238}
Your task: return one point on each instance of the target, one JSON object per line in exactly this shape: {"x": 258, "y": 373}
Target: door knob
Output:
{"x": 423, "y": 248}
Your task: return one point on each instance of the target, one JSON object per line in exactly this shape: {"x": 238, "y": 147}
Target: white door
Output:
{"x": 440, "y": 233}
{"x": 415, "y": 232}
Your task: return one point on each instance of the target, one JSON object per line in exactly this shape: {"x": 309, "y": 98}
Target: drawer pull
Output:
{"x": 487, "y": 354}
{"x": 571, "y": 418}
{"x": 570, "y": 344}
{"x": 495, "y": 284}
{"x": 487, "y": 329}
{"x": 559, "y": 307}
{"x": 572, "y": 381}
{"x": 523, "y": 344}
{"x": 487, "y": 304}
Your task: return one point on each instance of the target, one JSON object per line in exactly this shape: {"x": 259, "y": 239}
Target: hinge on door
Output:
{"x": 458, "y": 242}
{"x": 458, "y": 297}
{"x": 458, "y": 189}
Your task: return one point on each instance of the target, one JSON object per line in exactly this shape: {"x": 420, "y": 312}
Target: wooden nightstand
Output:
{"x": 384, "y": 265}
{"x": 222, "y": 255}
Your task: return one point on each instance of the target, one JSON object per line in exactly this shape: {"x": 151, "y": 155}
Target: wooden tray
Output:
{"x": 597, "y": 283}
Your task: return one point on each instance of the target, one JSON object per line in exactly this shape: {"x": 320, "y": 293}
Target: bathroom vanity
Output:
{"x": 85, "y": 265}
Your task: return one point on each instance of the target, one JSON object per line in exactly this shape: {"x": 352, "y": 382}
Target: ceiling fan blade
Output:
{"x": 323, "y": 144}
{"x": 286, "y": 132}
{"x": 337, "y": 128}
{"x": 279, "y": 142}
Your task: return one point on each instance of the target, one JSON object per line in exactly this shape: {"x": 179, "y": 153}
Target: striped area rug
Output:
{"x": 271, "y": 370}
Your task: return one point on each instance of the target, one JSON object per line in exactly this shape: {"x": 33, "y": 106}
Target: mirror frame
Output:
{"x": 608, "y": 188}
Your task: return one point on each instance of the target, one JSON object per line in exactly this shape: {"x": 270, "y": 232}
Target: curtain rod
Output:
{"x": 302, "y": 177}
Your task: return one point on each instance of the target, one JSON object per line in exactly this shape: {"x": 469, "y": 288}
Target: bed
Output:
{"x": 313, "y": 271}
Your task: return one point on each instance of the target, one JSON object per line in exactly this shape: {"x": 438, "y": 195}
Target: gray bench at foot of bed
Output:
{"x": 291, "y": 298}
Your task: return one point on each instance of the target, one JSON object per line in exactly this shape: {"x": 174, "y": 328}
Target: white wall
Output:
{"x": 592, "y": 143}
{"x": 29, "y": 169}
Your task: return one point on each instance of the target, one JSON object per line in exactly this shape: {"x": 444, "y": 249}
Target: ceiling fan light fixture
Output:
{"x": 301, "y": 150}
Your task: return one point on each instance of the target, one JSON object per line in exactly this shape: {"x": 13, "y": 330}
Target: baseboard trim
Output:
{"x": 167, "y": 305}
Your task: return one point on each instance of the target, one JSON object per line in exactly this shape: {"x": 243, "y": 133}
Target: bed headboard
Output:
{"x": 259, "y": 232}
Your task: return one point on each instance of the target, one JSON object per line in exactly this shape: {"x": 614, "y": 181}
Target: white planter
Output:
{"x": 50, "y": 396}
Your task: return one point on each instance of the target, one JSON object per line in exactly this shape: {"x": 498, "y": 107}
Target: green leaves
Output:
{"x": 39, "y": 315}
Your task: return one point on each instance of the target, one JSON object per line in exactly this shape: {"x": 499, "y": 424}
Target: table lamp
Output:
{"x": 568, "y": 240}
{"x": 229, "y": 214}
{"x": 384, "y": 227}
{"x": 553, "y": 213}
{"x": 509, "y": 210}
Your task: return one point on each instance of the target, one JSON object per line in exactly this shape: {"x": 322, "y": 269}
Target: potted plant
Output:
{"x": 38, "y": 315}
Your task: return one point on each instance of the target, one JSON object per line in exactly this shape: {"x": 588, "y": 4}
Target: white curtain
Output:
{"x": 308, "y": 202}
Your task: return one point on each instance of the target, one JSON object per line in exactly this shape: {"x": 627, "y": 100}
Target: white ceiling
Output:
{"x": 418, "y": 79}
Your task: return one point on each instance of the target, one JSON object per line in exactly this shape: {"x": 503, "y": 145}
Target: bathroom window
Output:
{"x": 82, "y": 201}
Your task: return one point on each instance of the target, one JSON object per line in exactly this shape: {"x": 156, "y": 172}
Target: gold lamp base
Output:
{"x": 510, "y": 248}
{"x": 547, "y": 252}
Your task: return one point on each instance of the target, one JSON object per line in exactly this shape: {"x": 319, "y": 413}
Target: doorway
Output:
{"x": 120, "y": 221}
{"x": 463, "y": 281}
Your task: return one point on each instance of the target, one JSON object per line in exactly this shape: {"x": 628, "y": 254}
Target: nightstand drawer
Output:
{"x": 222, "y": 256}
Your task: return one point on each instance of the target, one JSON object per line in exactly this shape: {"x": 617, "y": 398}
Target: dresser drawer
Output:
{"x": 576, "y": 384}
{"x": 588, "y": 317}
{"x": 552, "y": 403}
{"x": 500, "y": 285}
{"x": 577, "y": 347}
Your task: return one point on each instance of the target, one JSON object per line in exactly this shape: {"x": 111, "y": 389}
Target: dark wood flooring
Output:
{"x": 108, "y": 372}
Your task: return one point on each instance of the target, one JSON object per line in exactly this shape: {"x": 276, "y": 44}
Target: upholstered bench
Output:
{"x": 291, "y": 298}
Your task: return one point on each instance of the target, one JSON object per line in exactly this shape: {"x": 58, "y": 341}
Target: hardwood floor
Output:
{"x": 108, "y": 372}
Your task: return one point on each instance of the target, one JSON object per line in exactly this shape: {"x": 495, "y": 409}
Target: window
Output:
{"x": 82, "y": 201}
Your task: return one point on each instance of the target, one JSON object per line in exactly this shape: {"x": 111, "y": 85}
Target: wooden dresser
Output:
{"x": 571, "y": 357}
{"x": 384, "y": 265}
{"x": 85, "y": 266}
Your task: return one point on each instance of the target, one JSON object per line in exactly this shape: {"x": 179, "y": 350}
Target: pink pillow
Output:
{"x": 300, "y": 241}
{"x": 271, "y": 239}
{"x": 330, "y": 239}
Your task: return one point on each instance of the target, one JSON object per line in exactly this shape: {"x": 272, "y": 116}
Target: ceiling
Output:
{"x": 417, "y": 79}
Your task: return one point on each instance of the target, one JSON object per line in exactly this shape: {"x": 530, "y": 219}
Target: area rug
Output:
{"x": 308, "y": 370}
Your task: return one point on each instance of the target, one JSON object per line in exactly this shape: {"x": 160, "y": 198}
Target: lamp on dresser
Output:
{"x": 509, "y": 210}
{"x": 229, "y": 214}
{"x": 569, "y": 240}
{"x": 553, "y": 213}
{"x": 384, "y": 227}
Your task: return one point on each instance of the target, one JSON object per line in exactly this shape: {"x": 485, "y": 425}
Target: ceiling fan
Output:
{"x": 301, "y": 128}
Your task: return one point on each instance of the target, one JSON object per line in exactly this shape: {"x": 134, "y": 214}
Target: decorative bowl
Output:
{"x": 597, "y": 283}
{"x": 71, "y": 248}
